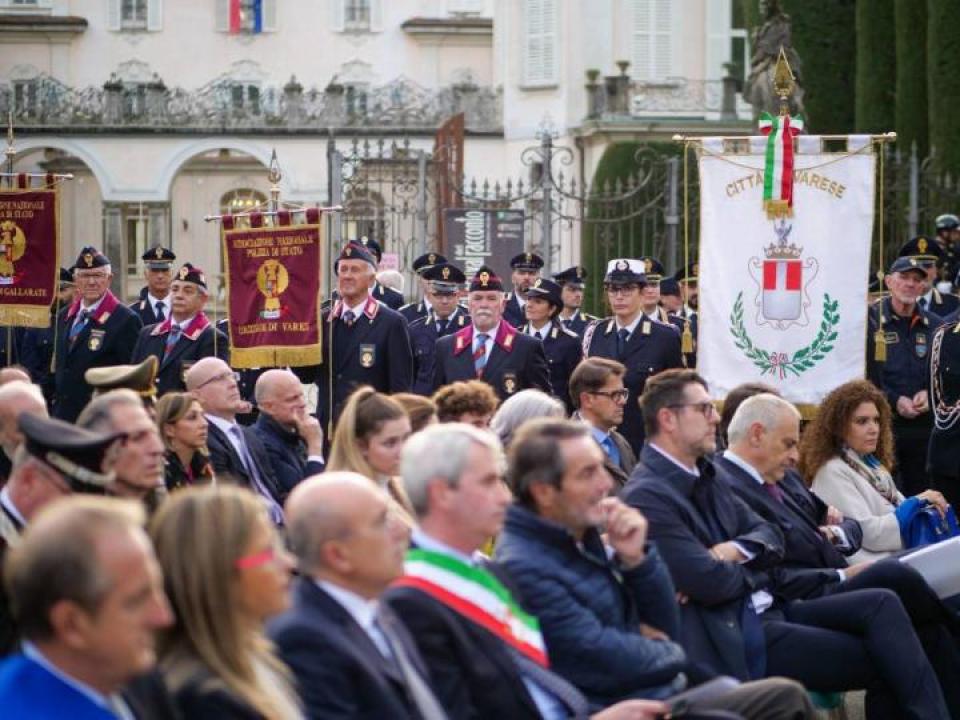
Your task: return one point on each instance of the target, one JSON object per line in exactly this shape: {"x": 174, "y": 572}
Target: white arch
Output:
{"x": 40, "y": 142}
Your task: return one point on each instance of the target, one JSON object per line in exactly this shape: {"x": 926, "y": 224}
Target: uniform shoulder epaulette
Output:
{"x": 569, "y": 332}
{"x": 418, "y": 322}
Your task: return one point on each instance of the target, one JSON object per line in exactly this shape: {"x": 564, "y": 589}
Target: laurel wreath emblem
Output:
{"x": 778, "y": 363}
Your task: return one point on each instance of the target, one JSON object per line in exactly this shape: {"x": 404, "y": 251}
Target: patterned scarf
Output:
{"x": 872, "y": 470}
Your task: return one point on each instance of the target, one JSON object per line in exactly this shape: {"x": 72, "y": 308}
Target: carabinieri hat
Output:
{"x": 192, "y": 274}
{"x": 485, "y": 279}
{"x": 426, "y": 261}
{"x": 444, "y": 278}
{"x": 77, "y": 454}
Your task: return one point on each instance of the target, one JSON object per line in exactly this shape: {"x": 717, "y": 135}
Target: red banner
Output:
{"x": 29, "y": 255}
{"x": 273, "y": 286}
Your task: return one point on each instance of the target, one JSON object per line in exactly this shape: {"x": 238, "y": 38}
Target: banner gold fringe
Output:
{"x": 32, "y": 316}
{"x": 246, "y": 358}
{"x": 777, "y": 209}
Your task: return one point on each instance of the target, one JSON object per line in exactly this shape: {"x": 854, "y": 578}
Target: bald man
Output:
{"x": 16, "y": 397}
{"x": 352, "y": 658}
{"x": 292, "y": 437}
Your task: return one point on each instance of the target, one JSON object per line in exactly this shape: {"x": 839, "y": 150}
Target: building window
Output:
{"x": 739, "y": 43}
{"x": 245, "y": 98}
{"x": 135, "y": 231}
{"x": 247, "y": 17}
{"x": 356, "y": 14}
{"x": 25, "y": 98}
{"x": 540, "y": 43}
{"x": 134, "y": 100}
{"x": 133, "y": 14}
{"x": 652, "y": 40}
{"x": 25, "y": 3}
{"x": 355, "y": 98}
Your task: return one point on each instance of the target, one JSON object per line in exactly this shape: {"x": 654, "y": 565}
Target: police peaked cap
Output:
{"x": 444, "y": 277}
{"x": 652, "y": 268}
{"x": 546, "y": 290}
{"x": 158, "y": 258}
{"x": 373, "y": 246}
{"x": 625, "y": 271}
{"x": 427, "y": 260}
{"x": 526, "y": 261}
{"x": 575, "y": 275}
{"x": 923, "y": 248}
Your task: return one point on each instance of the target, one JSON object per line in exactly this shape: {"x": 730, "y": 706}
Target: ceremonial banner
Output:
{"x": 273, "y": 284}
{"x": 29, "y": 258}
{"x": 784, "y": 301}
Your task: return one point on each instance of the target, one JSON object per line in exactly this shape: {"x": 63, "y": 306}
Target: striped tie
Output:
{"x": 78, "y": 326}
{"x": 172, "y": 338}
{"x": 480, "y": 354}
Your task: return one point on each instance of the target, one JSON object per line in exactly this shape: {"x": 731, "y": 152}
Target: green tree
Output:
{"x": 943, "y": 77}
{"x": 911, "y": 100}
{"x": 876, "y": 66}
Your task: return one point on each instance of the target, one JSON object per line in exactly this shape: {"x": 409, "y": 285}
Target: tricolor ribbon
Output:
{"x": 778, "y": 164}
{"x": 778, "y": 362}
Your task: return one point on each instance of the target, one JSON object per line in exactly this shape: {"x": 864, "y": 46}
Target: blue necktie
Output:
{"x": 349, "y": 318}
{"x": 622, "y": 336}
{"x": 612, "y": 450}
{"x": 172, "y": 338}
{"x": 79, "y": 325}
{"x": 480, "y": 354}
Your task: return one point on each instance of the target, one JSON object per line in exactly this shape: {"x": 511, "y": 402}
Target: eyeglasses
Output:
{"x": 615, "y": 395}
{"x": 229, "y": 374}
{"x": 621, "y": 289}
{"x": 705, "y": 408}
{"x": 96, "y": 277}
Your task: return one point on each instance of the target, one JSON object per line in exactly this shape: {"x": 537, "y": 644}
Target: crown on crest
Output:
{"x": 780, "y": 250}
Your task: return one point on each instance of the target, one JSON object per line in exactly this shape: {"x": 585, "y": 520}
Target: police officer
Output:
{"x": 644, "y": 346}
{"x": 561, "y": 346}
{"x": 653, "y": 271}
{"x": 686, "y": 319}
{"x": 365, "y": 342}
{"x": 943, "y": 457}
{"x": 490, "y": 348}
{"x": 37, "y": 347}
{"x": 948, "y": 235}
{"x": 96, "y": 330}
{"x": 525, "y": 269}
{"x": 185, "y": 336}
{"x": 899, "y": 334}
{"x": 416, "y": 310}
{"x": 929, "y": 254}
{"x": 572, "y": 283}
{"x": 446, "y": 317}
{"x": 388, "y": 296}
{"x": 154, "y": 303}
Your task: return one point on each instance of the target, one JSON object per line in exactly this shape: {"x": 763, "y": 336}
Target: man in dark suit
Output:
{"x": 351, "y": 657}
{"x": 490, "y": 348}
{"x": 524, "y": 270}
{"x": 645, "y": 347}
{"x": 365, "y": 342}
{"x": 723, "y": 559}
{"x": 96, "y": 330}
{"x": 561, "y": 346}
{"x": 599, "y": 395}
{"x": 154, "y": 304}
{"x": 445, "y": 317}
{"x": 236, "y": 452}
{"x": 36, "y": 350}
{"x": 388, "y": 296}
{"x": 185, "y": 335}
{"x": 292, "y": 437}
{"x": 572, "y": 281}
{"x": 416, "y": 310}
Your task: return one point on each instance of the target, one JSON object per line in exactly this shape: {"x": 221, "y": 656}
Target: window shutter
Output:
{"x": 154, "y": 15}
{"x": 540, "y": 43}
{"x": 652, "y": 42}
{"x": 113, "y": 15}
{"x": 222, "y": 15}
{"x": 336, "y": 14}
{"x": 376, "y": 15}
{"x": 718, "y": 38}
{"x": 269, "y": 15}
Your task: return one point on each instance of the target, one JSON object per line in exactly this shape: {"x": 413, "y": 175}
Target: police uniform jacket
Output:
{"x": 942, "y": 304}
{"x": 36, "y": 354}
{"x": 374, "y": 351}
{"x": 198, "y": 340}
{"x": 564, "y": 353}
{"x": 944, "y": 451}
{"x": 146, "y": 312}
{"x": 907, "y": 367}
{"x": 513, "y": 311}
{"x": 424, "y": 334}
{"x": 650, "y": 348}
{"x": 107, "y": 339}
{"x": 679, "y": 320}
{"x": 414, "y": 311}
{"x": 388, "y": 296}
{"x": 516, "y": 362}
{"x": 577, "y": 323}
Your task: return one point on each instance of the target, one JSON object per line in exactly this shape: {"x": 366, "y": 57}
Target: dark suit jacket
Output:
{"x": 563, "y": 351}
{"x": 143, "y": 308}
{"x": 338, "y": 670}
{"x": 189, "y": 348}
{"x": 228, "y": 465}
{"x": 286, "y": 452}
{"x": 423, "y": 342}
{"x": 149, "y": 699}
{"x": 628, "y": 460}
{"x": 513, "y": 313}
{"x": 107, "y": 339}
{"x": 388, "y": 296}
{"x": 651, "y": 348}
{"x": 516, "y": 361}
{"x": 672, "y": 501}
{"x": 578, "y": 322}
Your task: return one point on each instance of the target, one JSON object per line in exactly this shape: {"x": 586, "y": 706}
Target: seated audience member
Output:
{"x": 16, "y": 397}
{"x": 55, "y": 459}
{"x": 138, "y": 463}
{"x": 525, "y": 405}
{"x": 14, "y": 373}
{"x": 293, "y": 437}
{"x": 368, "y": 441}
{"x": 607, "y": 611}
{"x": 215, "y": 657}
{"x": 722, "y": 558}
{"x": 599, "y": 396}
{"x": 236, "y": 452}
{"x": 847, "y": 456}
{"x": 350, "y": 655}
{"x": 87, "y": 594}
{"x": 468, "y": 401}
{"x": 480, "y": 669}
{"x": 730, "y": 404}
{"x": 183, "y": 429}
{"x": 421, "y": 410}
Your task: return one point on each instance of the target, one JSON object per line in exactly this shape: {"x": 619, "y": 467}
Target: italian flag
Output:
{"x": 477, "y": 595}
{"x": 778, "y": 164}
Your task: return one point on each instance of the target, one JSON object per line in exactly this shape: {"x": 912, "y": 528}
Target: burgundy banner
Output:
{"x": 273, "y": 286}
{"x": 29, "y": 260}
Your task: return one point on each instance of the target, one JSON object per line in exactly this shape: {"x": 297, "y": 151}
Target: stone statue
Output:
{"x": 766, "y": 42}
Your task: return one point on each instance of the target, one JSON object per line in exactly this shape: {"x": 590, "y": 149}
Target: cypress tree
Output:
{"x": 876, "y": 66}
{"x": 911, "y": 100}
{"x": 943, "y": 76}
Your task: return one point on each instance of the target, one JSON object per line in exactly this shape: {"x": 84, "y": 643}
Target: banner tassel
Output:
{"x": 686, "y": 339}
{"x": 879, "y": 346}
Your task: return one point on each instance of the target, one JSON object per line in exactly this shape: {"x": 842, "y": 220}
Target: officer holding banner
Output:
{"x": 930, "y": 255}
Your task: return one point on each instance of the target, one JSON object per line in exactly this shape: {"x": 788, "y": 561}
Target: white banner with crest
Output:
{"x": 784, "y": 301}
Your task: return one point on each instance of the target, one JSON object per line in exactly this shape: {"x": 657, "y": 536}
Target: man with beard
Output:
{"x": 525, "y": 269}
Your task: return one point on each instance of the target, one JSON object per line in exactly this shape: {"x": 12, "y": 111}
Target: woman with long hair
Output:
{"x": 369, "y": 439}
{"x": 183, "y": 427}
{"x": 226, "y": 573}
{"x": 847, "y": 457}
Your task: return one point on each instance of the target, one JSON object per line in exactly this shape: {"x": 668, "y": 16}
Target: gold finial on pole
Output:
{"x": 10, "y": 152}
{"x": 274, "y": 175}
{"x": 784, "y": 81}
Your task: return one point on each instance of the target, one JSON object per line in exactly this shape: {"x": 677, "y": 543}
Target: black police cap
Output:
{"x": 77, "y": 454}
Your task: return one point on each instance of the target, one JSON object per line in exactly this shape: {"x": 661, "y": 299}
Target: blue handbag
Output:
{"x": 926, "y": 526}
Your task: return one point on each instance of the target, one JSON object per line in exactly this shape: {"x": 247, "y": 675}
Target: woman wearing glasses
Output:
{"x": 184, "y": 431}
{"x": 215, "y": 658}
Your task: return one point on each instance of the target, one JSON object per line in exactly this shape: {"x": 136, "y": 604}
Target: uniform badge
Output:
{"x": 645, "y": 328}
{"x": 509, "y": 383}
{"x": 95, "y": 341}
{"x": 891, "y": 338}
{"x": 920, "y": 346}
{"x": 368, "y": 355}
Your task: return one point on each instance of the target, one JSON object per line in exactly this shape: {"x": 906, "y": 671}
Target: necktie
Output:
{"x": 480, "y": 354}
{"x": 172, "y": 338}
{"x": 613, "y": 452}
{"x": 79, "y": 325}
{"x": 554, "y": 684}
{"x": 923, "y": 303}
{"x": 419, "y": 692}
{"x": 276, "y": 514}
{"x": 622, "y": 336}
{"x": 538, "y": 335}
{"x": 159, "y": 313}
{"x": 774, "y": 491}
{"x": 349, "y": 318}
{"x": 442, "y": 326}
